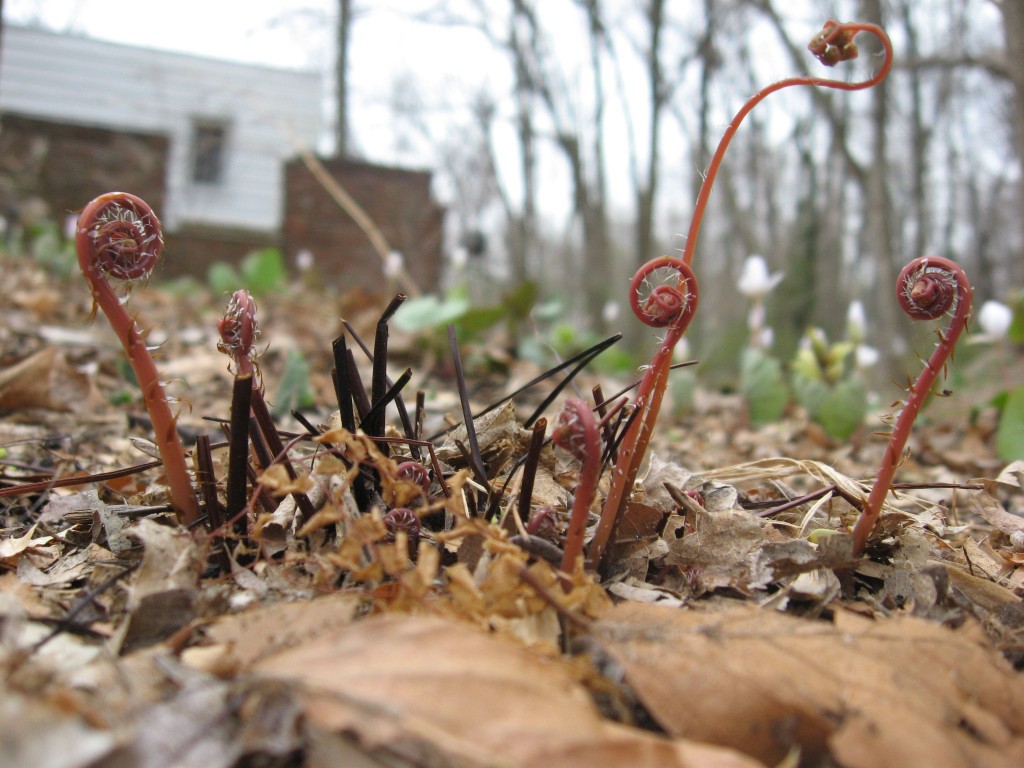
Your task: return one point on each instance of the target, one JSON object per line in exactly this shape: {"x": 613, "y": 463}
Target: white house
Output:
{"x": 230, "y": 127}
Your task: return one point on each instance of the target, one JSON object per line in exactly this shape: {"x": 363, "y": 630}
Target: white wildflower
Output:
{"x": 70, "y": 226}
{"x": 755, "y": 282}
{"x": 866, "y": 356}
{"x": 681, "y": 351}
{"x": 856, "y": 322}
{"x": 610, "y": 312}
{"x": 459, "y": 259}
{"x": 304, "y": 260}
{"x": 995, "y": 319}
{"x": 394, "y": 263}
{"x": 765, "y": 338}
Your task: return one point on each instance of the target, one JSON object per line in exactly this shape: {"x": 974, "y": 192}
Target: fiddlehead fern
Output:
{"x": 119, "y": 238}
{"x": 928, "y": 288}
{"x": 833, "y": 44}
{"x": 239, "y": 332}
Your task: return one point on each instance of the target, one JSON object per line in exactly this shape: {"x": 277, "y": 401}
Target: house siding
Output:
{"x": 91, "y": 83}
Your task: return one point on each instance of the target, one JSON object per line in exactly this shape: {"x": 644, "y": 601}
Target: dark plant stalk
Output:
{"x": 76, "y": 479}
{"x": 578, "y": 362}
{"x": 238, "y": 445}
{"x": 601, "y": 406}
{"x": 360, "y": 398}
{"x": 239, "y": 332}
{"x": 585, "y": 358}
{"x": 119, "y": 238}
{"x": 927, "y": 289}
{"x": 277, "y": 449}
{"x": 206, "y": 478}
{"x": 672, "y": 307}
{"x": 374, "y": 425}
{"x": 476, "y": 461}
{"x": 530, "y": 467}
{"x": 403, "y": 412}
{"x": 340, "y": 377}
{"x": 311, "y": 428}
{"x": 394, "y": 389}
{"x": 417, "y": 429}
{"x": 260, "y": 449}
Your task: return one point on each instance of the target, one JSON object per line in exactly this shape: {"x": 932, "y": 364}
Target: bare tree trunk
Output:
{"x": 524, "y": 225}
{"x": 1013, "y": 31}
{"x": 920, "y": 214}
{"x": 344, "y": 28}
{"x": 589, "y": 194}
{"x": 709, "y": 61}
{"x": 880, "y": 237}
{"x": 591, "y": 198}
{"x": 646, "y": 192}
{"x": 985, "y": 215}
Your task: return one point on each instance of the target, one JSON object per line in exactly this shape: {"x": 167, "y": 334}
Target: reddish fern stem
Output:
{"x": 927, "y": 289}
{"x": 119, "y": 238}
{"x": 577, "y": 433}
{"x": 833, "y": 35}
{"x": 667, "y": 306}
{"x": 833, "y": 44}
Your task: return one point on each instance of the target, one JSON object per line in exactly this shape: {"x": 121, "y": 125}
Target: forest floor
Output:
{"x": 730, "y": 631}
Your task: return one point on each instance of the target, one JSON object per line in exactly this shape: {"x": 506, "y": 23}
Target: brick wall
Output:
{"x": 192, "y": 249}
{"x": 53, "y": 169}
{"x": 399, "y": 202}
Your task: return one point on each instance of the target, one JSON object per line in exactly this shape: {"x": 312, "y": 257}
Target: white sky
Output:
{"x": 439, "y": 69}
{"x": 286, "y": 33}
{"x": 255, "y": 31}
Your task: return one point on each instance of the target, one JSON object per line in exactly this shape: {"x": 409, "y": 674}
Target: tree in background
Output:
{"x": 609, "y": 108}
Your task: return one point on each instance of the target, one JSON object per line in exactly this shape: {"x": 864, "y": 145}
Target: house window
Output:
{"x": 209, "y": 147}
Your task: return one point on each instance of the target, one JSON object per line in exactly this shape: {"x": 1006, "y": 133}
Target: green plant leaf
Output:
{"x": 548, "y": 310}
{"x": 835, "y": 361}
{"x": 476, "y": 320}
{"x": 428, "y": 311}
{"x": 293, "y": 392}
{"x": 1016, "y": 332}
{"x": 566, "y": 338}
{"x": 1010, "y": 435}
{"x": 519, "y": 301}
{"x": 52, "y": 251}
{"x": 842, "y": 410}
{"x": 805, "y": 366}
{"x": 763, "y": 386}
{"x": 223, "y": 278}
{"x": 810, "y": 393}
{"x": 263, "y": 271}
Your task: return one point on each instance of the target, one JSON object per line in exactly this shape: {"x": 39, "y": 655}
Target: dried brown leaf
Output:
{"x": 496, "y": 431}
{"x": 1012, "y": 475}
{"x": 991, "y": 510}
{"x": 720, "y": 548}
{"x": 896, "y": 692}
{"x": 13, "y": 547}
{"x": 46, "y": 380}
{"x": 162, "y": 596}
{"x": 235, "y": 641}
{"x": 661, "y": 473}
{"x": 441, "y": 692}
{"x": 41, "y": 735}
